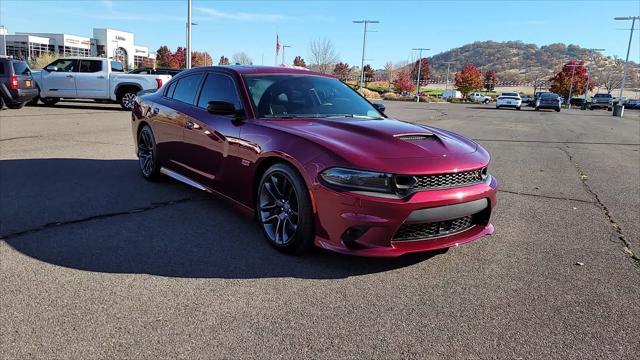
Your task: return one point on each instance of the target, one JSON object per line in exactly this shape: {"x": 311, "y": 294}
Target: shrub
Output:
{"x": 378, "y": 89}
{"x": 390, "y": 96}
{"x": 369, "y": 94}
{"x": 43, "y": 60}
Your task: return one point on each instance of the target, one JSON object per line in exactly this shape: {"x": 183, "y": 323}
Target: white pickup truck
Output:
{"x": 99, "y": 79}
{"x": 479, "y": 98}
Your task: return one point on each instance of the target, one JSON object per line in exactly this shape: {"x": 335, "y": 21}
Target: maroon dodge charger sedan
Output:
{"x": 315, "y": 162}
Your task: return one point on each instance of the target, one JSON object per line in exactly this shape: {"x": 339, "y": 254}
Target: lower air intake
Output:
{"x": 433, "y": 230}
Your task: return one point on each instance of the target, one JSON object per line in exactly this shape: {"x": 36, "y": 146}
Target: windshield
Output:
{"x": 291, "y": 96}
{"x": 549, "y": 96}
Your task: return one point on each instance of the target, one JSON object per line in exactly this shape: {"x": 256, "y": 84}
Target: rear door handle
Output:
{"x": 100, "y": 77}
{"x": 69, "y": 76}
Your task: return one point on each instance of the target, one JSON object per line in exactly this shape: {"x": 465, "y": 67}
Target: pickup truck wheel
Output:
{"x": 49, "y": 101}
{"x": 127, "y": 97}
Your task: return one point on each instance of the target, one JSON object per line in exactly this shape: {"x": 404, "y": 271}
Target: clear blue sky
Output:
{"x": 226, "y": 27}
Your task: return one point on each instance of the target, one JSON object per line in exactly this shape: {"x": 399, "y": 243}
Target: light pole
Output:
{"x": 4, "y": 39}
{"x": 446, "y": 86}
{"x": 618, "y": 109}
{"x": 188, "y": 57}
{"x": 419, "y": 68}
{"x": 586, "y": 89}
{"x": 573, "y": 72}
{"x": 364, "y": 46}
{"x": 284, "y": 47}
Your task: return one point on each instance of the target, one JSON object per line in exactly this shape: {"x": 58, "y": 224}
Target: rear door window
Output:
{"x": 187, "y": 88}
{"x": 90, "y": 66}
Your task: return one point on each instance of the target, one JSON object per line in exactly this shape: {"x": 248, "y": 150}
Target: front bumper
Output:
{"x": 336, "y": 212}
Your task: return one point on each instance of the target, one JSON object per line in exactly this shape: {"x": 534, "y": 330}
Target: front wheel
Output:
{"x": 558, "y": 110}
{"x": 537, "y": 108}
{"x": 283, "y": 208}
{"x": 518, "y": 108}
{"x": 148, "y": 154}
{"x": 16, "y": 106}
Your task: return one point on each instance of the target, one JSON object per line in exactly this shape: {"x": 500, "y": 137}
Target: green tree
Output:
{"x": 368, "y": 73}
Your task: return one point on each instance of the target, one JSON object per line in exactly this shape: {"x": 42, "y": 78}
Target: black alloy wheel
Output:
{"x": 148, "y": 154}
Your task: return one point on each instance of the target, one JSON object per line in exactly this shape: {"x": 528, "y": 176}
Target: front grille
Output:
{"x": 433, "y": 230}
{"x": 465, "y": 178}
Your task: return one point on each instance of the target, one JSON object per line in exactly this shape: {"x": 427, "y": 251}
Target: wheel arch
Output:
{"x": 268, "y": 161}
{"x": 126, "y": 85}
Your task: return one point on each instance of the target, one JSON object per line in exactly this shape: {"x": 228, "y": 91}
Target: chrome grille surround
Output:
{"x": 424, "y": 231}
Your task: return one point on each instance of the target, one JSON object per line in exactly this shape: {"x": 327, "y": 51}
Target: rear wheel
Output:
{"x": 558, "y": 110}
{"x": 537, "y": 108}
{"x": 284, "y": 210}
{"x": 148, "y": 154}
{"x": 49, "y": 101}
{"x": 518, "y": 108}
{"x": 16, "y": 106}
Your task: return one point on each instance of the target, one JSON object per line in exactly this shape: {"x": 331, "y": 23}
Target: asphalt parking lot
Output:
{"x": 96, "y": 262}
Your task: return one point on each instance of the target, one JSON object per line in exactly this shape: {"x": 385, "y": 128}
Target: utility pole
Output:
{"x": 419, "y": 68}
{"x": 364, "y": 46}
{"x": 446, "y": 86}
{"x": 586, "y": 89}
{"x": 284, "y": 47}
{"x": 618, "y": 109}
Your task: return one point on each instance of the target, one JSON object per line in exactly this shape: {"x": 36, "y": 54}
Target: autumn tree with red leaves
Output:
{"x": 468, "y": 79}
{"x": 163, "y": 56}
{"x": 299, "y": 61}
{"x": 403, "y": 82}
{"x": 424, "y": 70}
{"x": 561, "y": 82}
{"x": 178, "y": 59}
{"x": 341, "y": 70}
{"x": 490, "y": 80}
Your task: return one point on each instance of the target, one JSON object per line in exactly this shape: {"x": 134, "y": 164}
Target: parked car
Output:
{"x": 16, "y": 83}
{"x": 509, "y": 99}
{"x": 156, "y": 71}
{"x": 600, "y": 101}
{"x": 314, "y": 161}
{"x": 479, "y": 98}
{"x": 577, "y": 101}
{"x": 632, "y": 104}
{"x": 526, "y": 99}
{"x": 549, "y": 100}
{"x": 92, "y": 78}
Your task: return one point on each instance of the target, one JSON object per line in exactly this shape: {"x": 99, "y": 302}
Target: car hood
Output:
{"x": 387, "y": 144}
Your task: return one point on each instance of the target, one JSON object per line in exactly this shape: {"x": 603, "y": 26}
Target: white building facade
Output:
{"x": 109, "y": 43}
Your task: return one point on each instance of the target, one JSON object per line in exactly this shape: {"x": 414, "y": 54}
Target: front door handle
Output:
{"x": 100, "y": 77}
{"x": 69, "y": 76}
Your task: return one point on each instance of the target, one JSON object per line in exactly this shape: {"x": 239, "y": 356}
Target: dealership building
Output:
{"x": 110, "y": 43}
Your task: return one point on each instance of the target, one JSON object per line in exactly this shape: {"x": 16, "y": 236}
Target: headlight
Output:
{"x": 358, "y": 179}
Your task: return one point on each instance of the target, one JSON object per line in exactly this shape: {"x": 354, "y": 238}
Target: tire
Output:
{"x": 558, "y": 110}
{"x": 497, "y": 107}
{"x": 16, "y": 106}
{"x": 1, "y": 103}
{"x": 48, "y": 101}
{"x": 518, "y": 108}
{"x": 537, "y": 108}
{"x": 609, "y": 109}
{"x": 284, "y": 211}
{"x": 486, "y": 101}
{"x": 148, "y": 154}
{"x": 127, "y": 97}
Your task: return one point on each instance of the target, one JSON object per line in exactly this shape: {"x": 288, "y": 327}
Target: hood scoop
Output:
{"x": 416, "y": 136}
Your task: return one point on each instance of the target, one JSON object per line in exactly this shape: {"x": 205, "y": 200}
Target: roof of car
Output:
{"x": 257, "y": 69}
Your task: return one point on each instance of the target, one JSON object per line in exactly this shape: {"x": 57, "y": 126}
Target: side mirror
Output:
{"x": 380, "y": 107}
{"x": 223, "y": 108}
{"x": 51, "y": 68}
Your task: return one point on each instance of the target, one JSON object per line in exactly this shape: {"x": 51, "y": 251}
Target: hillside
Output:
{"x": 515, "y": 61}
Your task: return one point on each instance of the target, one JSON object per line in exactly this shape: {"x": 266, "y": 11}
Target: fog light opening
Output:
{"x": 352, "y": 234}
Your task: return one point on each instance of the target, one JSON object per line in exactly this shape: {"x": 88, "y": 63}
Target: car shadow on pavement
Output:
{"x": 82, "y": 105}
{"x": 101, "y": 216}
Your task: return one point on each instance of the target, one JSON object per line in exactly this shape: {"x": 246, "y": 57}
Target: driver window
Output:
{"x": 218, "y": 87}
{"x": 66, "y": 65}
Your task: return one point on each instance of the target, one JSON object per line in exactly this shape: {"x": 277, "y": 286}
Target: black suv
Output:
{"x": 16, "y": 84}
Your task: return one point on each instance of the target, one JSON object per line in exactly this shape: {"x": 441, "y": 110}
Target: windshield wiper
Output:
{"x": 355, "y": 116}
